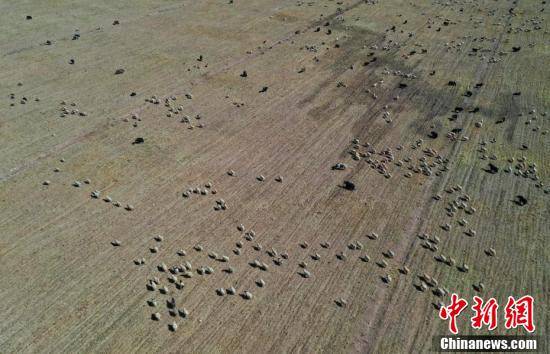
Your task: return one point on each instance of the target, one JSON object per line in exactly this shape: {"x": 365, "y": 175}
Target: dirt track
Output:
{"x": 66, "y": 288}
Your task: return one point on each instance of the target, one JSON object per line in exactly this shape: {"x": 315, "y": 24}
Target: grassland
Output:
{"x": 65, "y": 288}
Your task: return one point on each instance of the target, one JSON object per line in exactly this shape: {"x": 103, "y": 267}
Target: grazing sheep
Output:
{"x": 173, "y": 326}
{"x": 183, "y": 312}
{"x": 162, "y": 267}
{"x": 341, "y": 256}
{"x": 264, "y": 267}
{"x": 373, "y": 236}
{"x": 340, "y": 302}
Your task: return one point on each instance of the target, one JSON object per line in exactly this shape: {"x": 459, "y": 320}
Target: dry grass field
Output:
{"x": 436, "y": 110}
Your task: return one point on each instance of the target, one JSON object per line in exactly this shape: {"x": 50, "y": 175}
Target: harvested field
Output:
{"x": 268, "y": 176}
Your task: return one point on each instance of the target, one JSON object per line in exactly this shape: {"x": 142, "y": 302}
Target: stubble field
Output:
{"x": 436, "y": 111}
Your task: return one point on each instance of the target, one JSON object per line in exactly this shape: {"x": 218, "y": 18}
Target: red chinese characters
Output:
{"x": 452, "y": 311}
{"x": 484, "y": 314}
{"x": 520, "y": 313}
